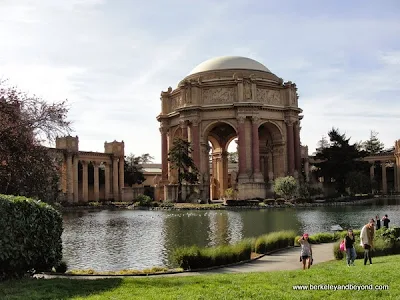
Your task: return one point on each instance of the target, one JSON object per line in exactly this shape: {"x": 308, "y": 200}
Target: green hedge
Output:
{"x": 191, "y": 258}
{"x": 274, "y": 241}
{"x": 30, "y": 236}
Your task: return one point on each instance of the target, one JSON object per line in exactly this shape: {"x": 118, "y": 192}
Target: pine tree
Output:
{"x": 373, "y": 145}
{"x": 180, "y": 159}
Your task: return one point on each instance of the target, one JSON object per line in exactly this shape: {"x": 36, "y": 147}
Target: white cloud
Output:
{"x": 111, "y": 59}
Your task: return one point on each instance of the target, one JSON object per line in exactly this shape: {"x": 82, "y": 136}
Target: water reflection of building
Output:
{"x": 226, "y": 227}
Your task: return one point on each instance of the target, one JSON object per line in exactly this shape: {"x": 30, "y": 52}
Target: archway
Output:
{"x": 271, "y": 141}
{"x": 219, "y": 136}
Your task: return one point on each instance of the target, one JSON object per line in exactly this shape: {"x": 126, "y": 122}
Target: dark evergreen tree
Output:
{"x": 339, "y": 159}
{"x": 134, "y": 169}
{"x": 179, "y": 156}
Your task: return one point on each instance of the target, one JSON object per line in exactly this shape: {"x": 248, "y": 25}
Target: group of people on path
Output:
{"x": 367, "y": 236}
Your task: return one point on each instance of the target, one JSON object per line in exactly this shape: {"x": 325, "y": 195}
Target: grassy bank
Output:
{"x": 270, "y": 285}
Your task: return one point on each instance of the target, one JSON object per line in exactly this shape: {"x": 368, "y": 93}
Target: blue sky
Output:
{"x": 111, "y": 60}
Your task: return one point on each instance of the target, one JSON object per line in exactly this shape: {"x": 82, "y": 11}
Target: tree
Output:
{"x": 373, "y": 145}
{"x": 233, "y": 157}
{"x": 339, "y": 159}
{"x": 179, "y": 156}
{"x": 133, "y": 168}
{"x": 26, "y": 167}
{"x": 358, "y": 183}
{"x": 322, "y": 144}
{"x": 285, "y": 187}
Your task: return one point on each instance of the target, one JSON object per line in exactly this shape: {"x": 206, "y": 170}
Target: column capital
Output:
{"x": 241, "y": 119}
{"x": 195, "y": 122}
{"x": 255, "y": 120}
{"x": 163, "y": 130}
{"x": 182, "y": 123}
{"x": 95, "y": 163}
{"x": 290, "y": 122}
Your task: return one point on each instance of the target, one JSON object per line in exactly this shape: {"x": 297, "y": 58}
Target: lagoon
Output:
{"x": 110, "y": 240}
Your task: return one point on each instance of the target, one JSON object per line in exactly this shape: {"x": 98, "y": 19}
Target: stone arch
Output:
{"x": 219, "y": 133}
{"x": 271, "y": 141}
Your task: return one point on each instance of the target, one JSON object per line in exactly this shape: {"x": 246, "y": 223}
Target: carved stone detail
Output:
{"x": 247, "y": 95}
{"x": 271, "y": 97}
{"x": 218, "y": 95}
{"x": 176, "y": 102}
{"x": 241, "y": 119}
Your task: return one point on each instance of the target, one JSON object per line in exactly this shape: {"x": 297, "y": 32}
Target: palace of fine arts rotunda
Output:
{"x": 222, "y": 99}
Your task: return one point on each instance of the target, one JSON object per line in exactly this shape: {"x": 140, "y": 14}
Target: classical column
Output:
{"x": 69, "y": 178}
{"x": 372, "y": 172}
{"x": 164, "y": 153}
{"x": 297, "y": 149}
{"x": 115, "y": 178}
{"x": 270, "y": 167}
{"x": 290, "y": 147}
{"x": 107, "y": 181}
{"x": 307, "y": 169}
{"x": 257, "y": 176}
{"x": 96, "y": 181}
{"x": 196, "y": 143}
{"x": 121, "y": 175}
{"x": 184, "y": 128}
{"x": 384, "y": 182}
{"x": 242, "y": 147}
{"x": 76, "y": 179}
{"x": 85, "y": 183}
{"x": 225, "y": 171}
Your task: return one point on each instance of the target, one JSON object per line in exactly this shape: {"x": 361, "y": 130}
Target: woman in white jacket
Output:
{"x": 367, "y": 236}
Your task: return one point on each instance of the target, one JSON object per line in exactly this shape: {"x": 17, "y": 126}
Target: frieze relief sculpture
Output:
{"x": 270, "y": 97}
{"x": 176, "y": 102}
{"x": 218, "y": 95}
{"x": 247, "y": 90}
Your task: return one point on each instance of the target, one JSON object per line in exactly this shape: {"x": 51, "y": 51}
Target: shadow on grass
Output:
{"x": 44, "y": 289}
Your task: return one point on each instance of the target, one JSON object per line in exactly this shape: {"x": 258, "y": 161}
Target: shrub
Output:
{"x": 274, "y": 241}
{"x": 62, "y": 267}
{"x": 30, "y": 236}
{"x": 143, "y": 200}
{"x": 285, "y": 186}
{"x": 191, "y": 258}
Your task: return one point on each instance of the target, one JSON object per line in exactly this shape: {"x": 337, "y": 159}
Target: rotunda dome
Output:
{"x": 229, "y": 62}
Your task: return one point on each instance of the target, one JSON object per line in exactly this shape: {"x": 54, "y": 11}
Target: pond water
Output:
{"x": 107, "y": 240}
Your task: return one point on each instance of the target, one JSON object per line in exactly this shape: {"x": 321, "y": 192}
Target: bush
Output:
{"x": 62, "y": 267}
{"x": 285, "y": 186}
{"x": 143, "y": 200}
{"x": 30, "y": 236}
{"x": 191, "y": 258}
{"x": 274, "y": 241}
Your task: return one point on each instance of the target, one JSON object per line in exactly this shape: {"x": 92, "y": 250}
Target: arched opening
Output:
{"x": 219, "y": 137}
{"x": 271, "y": 151}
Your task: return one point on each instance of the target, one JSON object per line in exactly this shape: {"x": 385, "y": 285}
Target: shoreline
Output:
{"x": 220, "y": 206}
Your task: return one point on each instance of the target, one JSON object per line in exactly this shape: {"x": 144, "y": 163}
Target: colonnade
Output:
{"x": 384, "y": 165}
{"x": 113, "y": 173}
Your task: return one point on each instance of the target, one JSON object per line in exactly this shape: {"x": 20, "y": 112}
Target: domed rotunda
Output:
{"x": 222, "y": 99}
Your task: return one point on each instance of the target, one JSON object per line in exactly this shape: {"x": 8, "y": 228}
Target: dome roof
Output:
{"x": 229, "y": 62}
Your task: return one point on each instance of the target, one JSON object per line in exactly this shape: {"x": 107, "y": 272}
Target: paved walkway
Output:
{"x": 287, "y": 259}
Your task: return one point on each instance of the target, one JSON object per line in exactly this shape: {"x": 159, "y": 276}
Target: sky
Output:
{"x": 112, "y": 58}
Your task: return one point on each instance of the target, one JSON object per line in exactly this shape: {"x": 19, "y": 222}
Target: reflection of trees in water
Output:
{"x": 225, "y": 228}
{"x": 256, "y": 223}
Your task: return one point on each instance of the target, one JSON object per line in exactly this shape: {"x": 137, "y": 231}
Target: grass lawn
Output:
{"x": 269, "y": 285}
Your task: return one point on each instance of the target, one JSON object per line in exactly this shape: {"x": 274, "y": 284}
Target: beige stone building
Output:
{"x": 105, "y": 169}
{"x": 226, "y": 98}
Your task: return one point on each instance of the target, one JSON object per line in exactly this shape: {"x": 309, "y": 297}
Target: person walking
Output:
{"x": 349, "y": 241}
{"x": 367, "y": 236}
{"x": 306, "y": 251}
{"x": 385, "y": 221}
{"x": 378, "y": 222}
